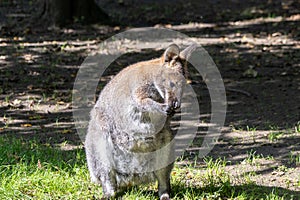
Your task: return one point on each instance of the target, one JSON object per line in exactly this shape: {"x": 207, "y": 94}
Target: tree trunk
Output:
{"x": 63, "y": 12}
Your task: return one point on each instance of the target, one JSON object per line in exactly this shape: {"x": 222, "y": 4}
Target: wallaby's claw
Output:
{"x": 174, "y": 104}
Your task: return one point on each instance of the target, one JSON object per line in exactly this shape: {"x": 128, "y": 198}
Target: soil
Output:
{"x": 254, "y": 44}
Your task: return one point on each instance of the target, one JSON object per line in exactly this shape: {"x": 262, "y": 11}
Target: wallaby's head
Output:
{"x": 175, "y": 74}
{"x": 174, "y": 59}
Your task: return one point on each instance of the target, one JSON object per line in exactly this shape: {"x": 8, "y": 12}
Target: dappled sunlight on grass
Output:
{"x": 255, "y": 45}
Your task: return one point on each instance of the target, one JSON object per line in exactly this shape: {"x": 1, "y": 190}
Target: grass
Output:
{"x": 31, "y": 170}
{"x": 297, "y": 127}
{"x": 252, "y": 157}
{"x": 294, "y": 157}
{"x": 274, "y": 136}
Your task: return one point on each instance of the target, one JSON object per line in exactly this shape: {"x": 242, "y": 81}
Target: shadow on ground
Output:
{"x": 255, "y": 46}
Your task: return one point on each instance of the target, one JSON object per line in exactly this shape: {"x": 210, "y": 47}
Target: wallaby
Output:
{"x": 131, "y": 119}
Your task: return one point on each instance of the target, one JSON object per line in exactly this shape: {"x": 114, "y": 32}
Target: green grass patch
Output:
{"x": 29, "y": 170}
{"x": 32, "y": 170}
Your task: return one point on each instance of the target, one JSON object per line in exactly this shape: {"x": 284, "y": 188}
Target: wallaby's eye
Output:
{"x": 172, "y": 84}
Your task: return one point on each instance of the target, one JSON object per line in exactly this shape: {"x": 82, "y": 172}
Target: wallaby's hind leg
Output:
{"x": 105, "y": 177}
{"x": 99, "y": 155}
{"x": 91, "y": 165}
{"x": 108, "y": 183}
{"x": 100, "y": 170}
{"x": 163, "y": 177}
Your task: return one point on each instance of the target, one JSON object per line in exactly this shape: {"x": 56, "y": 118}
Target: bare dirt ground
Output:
{"x": 255, "y": 46}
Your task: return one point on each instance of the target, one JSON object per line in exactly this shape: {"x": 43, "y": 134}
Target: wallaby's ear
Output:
{"x": 186, "y": 53}
{"x": 171, "y": 53}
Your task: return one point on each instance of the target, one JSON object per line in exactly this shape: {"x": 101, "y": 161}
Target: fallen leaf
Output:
{"x": 60, "y": 103}
{"x": 189, "y": 175}
{"x": 251, "y": 72}
{"x": 16, "y": 101}
{"x": 35, "y": 117}
{"x": 39, "y": 165}
{"x": 65, "y": 131}
{"x": 26, "y": 125}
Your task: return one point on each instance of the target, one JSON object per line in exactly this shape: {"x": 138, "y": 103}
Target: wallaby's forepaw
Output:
{"x": 164, "y": 196}
{"x": 167, "y": 109}
{"x": 172, "y": 106}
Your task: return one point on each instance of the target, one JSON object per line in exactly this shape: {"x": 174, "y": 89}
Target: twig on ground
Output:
{"x": 239, "y": 91}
